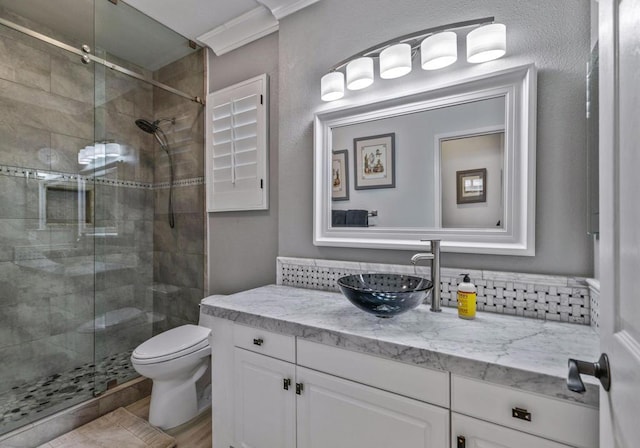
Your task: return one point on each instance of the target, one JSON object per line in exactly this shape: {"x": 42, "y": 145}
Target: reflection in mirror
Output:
{"x": 404, "y": 185}
{"x": 456, "y": 163}
{"x": 471, "y": 180}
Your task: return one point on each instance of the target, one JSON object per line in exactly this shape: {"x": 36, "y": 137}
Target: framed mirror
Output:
{"x": 455, "y": 163}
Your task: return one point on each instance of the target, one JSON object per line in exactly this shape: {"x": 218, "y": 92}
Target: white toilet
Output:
{"x": 175, "y": 360}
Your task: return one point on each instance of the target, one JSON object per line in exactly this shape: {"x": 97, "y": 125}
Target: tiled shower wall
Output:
{"x": 47, "y": 269}
{"x": 179, "y": 253}
{"x": 46, "y": 114}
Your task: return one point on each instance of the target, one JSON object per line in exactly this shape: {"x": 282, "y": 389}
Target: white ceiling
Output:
{"x": 192, "y": 18}
{"x": 223, "y": 25}
{"x": 137, "y": 37}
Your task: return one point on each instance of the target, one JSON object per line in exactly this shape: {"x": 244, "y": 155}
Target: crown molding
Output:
{"x": 282, "y": 8}
{"x": 251, "y": 25}
{"x": 246, "y": 28}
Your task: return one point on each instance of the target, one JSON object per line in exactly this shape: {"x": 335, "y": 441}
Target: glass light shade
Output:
{"x": 395, "y": 61}
{"x": 332, "y": 86}
{"x": 82, "y": 157}
{"x": 439, "y": 50}
{"x": 359, "y": 73}
{"x": 487, "y": 43}
{"x": 99, "y": 150}
{"x": 112, "y": 150}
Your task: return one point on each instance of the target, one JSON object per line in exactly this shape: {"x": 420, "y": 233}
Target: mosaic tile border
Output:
{"x": 546, "y": 297}
{"x": 181, "y": 183}
{"x": 32, "y": 174}
{"x": 31, "y": 401}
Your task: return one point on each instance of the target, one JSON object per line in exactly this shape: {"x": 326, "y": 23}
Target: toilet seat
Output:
{"x": 172, "y": 344}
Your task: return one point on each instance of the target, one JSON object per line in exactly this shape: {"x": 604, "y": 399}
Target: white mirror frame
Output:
{"x": 517, "y": 236}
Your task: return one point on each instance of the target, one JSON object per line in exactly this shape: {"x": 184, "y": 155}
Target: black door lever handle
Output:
{"x": 599, "y": 369}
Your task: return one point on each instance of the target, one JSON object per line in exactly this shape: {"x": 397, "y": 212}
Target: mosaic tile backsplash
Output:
{"x": 547, "y": 297}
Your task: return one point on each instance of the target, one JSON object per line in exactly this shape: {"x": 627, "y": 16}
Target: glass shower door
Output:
{"x": 131, "y": 180}
{"x": 46, "y": 247}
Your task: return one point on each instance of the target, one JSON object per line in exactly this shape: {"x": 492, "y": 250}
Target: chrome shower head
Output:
{"x": 147, "y": 126}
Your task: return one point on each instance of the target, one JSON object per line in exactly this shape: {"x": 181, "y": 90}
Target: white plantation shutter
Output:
{"x": 237, "y": 147}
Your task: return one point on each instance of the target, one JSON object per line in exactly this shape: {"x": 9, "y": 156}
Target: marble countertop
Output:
{"x": 527, "y": 354}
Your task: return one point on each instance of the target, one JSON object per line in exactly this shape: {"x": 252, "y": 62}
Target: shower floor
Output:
{"x": 32, "y": 401}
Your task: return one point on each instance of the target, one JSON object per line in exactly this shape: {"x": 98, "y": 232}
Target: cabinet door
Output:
{"x": 337, "y": 413}
{"x": 467, "y": 432}
{"x": 265, "y": 410}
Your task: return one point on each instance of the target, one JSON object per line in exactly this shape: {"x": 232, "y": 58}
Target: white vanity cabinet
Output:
{"x": 513, "y": 418}
{"x": 272, "y": 390}
{"x": 467, "y": 432}
{"x": 338, "y": 413}
{"x": 265, "y": 402}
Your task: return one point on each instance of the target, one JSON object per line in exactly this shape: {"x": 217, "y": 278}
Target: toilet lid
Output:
{"x": 178, "y": 341}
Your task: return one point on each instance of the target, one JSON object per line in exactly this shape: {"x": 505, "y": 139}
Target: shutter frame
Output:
{"x": 236, "y": 175}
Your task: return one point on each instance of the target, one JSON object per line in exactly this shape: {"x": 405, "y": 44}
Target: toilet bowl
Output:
{"x": 175, "y": 360}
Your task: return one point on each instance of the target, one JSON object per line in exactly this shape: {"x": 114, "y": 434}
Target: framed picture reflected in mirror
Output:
{"x": 471, "y": 186}
{"x": 340, "y": 175}
{"x": 374, "y": 161}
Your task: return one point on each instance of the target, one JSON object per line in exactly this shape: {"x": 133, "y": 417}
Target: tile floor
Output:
{"x": 31, "y": 401}
{"x": 195, "y": 434}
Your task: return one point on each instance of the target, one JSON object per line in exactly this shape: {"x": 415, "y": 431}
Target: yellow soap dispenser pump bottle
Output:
{"x": 466, "y": 298}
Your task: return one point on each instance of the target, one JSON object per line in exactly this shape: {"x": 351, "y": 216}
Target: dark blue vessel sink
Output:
{"x": 385, "y": 295}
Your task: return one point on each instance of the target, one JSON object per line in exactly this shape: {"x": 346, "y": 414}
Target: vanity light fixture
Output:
{"x": 438, "y": 47}
{"x": 90, "y": 153}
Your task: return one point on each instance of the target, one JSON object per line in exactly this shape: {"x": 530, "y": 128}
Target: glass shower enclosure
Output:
{"x": 88, "y": 244}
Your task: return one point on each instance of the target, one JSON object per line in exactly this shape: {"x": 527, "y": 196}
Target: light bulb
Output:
{"x": 395, "y": 61}
{"x": 332, "y": 86}
{"x": 99, "y": 150}
{"x": 487, "y": 43}
{"x": 359, "y": 73}
{"x": 112, "y": 150}
{"x": 439, "y": 50}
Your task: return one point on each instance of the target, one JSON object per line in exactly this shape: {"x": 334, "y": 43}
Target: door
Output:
{"x": 467, "y": 432}
{"x": 337, "y": 413}
{"x": 619, "y": 26}
{"x": 265, "y": 404}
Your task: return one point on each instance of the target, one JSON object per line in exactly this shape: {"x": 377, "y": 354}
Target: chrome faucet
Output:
{"x": 434, "y": 256}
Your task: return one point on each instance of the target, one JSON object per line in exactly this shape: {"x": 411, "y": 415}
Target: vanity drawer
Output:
{"x": 558, "y": 420}
{"x": 430, "y": 386}
{"x": 265, "y": 342}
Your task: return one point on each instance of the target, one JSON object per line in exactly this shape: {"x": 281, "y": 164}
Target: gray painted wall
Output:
{"x": 243, "y": 246}
{"x": 553, "y": 35}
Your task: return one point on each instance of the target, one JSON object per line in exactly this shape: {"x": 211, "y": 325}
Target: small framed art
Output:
{"x": 374, "y": 161}
{"x": 340, "y": 175}
{"x": 471, "y": 186}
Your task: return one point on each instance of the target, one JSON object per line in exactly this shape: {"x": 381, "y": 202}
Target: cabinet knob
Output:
{"x": 599, "y": 369}
{"x": 258, "y": 341}
{"x": 462, "y": 442}
{"x": 286, "y": 382}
